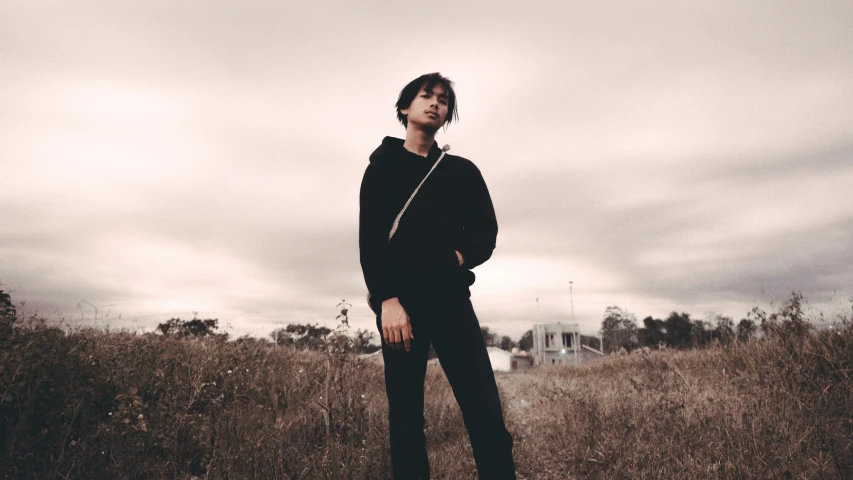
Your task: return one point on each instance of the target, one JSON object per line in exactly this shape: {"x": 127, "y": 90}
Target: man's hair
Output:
{"x": 427, "y": 82}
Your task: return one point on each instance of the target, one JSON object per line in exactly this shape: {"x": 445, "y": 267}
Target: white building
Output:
{"x": 501, "y": 359}
{"x": 560, "y": 344}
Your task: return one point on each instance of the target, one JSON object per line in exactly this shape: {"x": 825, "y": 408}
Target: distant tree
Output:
{"x": 701, "y": 333}
{"x": 725, "y": 330}
{"x": 313, "y": 337}
{"x": 250, "y": 340}
{"x": 526, "y": 341}
{"x": 761, "y": 320}
{"x": 7, "y": 309}
{"x": 506, "y": 343}
{"x": 361, "y": 343}
{"x": 302, "y": 337}
{"x": 679, "y": 330}
{"x": 619, "y": 329}
{"x": 195, "y": 328}
{"x": 7, "y": 318}
{"x": 746, "y": 330}
{"x": 491, "y": 338}
{"x": 591, "y": 341}
{"x": 653, "y": 332}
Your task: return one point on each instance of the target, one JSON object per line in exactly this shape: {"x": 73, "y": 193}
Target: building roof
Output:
{"x": 501, "y": 351}
{"x": 558, "y": 327}
{"x": 498, "y": 350}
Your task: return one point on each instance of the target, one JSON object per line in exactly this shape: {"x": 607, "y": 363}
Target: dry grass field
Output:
{"x": 93, "y": 404}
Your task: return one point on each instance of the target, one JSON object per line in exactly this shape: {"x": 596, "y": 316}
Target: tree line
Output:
{"x": 619, "y": 328}
{"x": 297, "y": 335}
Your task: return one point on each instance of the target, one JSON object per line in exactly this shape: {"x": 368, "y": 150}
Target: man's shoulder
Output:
{"x": 378, "y": 168}
{"x": 462, "y": 163}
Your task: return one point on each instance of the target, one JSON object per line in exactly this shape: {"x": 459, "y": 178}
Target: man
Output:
{"x": 419, "y": 281}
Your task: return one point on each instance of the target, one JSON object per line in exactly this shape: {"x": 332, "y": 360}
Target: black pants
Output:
{"x": 452, "y": 327}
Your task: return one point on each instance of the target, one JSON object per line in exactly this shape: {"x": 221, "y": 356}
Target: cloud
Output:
{"x": 206, "y": 156}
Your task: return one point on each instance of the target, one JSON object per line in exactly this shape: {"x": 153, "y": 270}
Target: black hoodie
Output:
{"x": 452, "y": 211}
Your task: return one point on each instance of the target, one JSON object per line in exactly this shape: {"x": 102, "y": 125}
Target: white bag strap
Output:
{"x": 396, "y": 224}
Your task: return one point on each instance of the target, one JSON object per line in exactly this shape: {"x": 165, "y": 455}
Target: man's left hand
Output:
{"x": 459, "y": 258}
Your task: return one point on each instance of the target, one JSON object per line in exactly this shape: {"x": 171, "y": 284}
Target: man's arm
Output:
{"x": 480, "y": 224}
{"x": 373, "y": 236}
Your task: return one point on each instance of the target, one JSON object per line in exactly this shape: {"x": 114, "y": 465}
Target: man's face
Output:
{"x": 428, "y": 109}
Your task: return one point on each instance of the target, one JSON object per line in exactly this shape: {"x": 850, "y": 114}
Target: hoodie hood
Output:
{"x": 392, "y": 147}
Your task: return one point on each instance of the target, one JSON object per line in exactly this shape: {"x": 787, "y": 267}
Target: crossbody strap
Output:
{"x": 396, "y": 223}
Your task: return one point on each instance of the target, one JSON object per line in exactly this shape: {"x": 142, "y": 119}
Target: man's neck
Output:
{"x": 418, "y": 141}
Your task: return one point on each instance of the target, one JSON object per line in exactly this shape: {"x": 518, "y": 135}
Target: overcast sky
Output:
{"x": 167, "y": 157}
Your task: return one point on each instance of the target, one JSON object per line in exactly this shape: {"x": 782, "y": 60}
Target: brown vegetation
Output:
{"x": 92, "y": 404}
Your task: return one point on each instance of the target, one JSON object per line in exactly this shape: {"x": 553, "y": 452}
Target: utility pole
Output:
{"x": 537, "y": 309}
{"x": 537, "y": 342}
{"x": 572, "y": 299}
{"x": 577, "y": 337}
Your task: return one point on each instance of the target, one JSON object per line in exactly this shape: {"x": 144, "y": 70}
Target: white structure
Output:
{"x": 556, "y": 343}
{"x": 501, "y": 359}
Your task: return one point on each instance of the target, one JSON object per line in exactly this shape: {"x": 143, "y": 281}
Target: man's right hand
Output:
{"x": 396, "y": 326}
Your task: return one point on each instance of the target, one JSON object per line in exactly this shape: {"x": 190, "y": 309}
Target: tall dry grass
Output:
{"x": 117, "y": 405}
{"x": 779, "y": 408}
{"x": 93, "y": 404}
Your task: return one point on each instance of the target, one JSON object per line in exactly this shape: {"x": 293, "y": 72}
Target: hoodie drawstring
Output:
{"x": 396, "y": 223}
